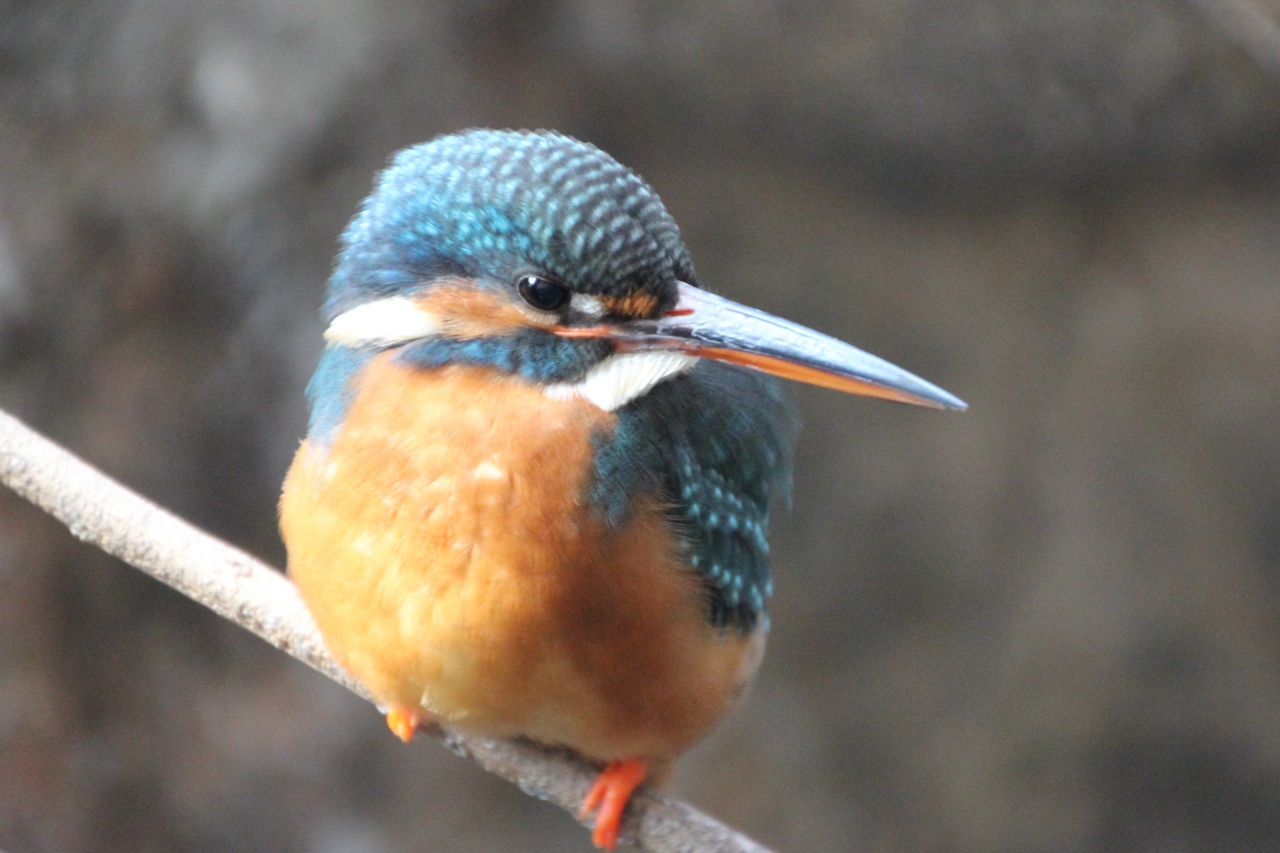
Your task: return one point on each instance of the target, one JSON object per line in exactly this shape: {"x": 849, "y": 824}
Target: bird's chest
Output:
{"x": 444, "y": 544}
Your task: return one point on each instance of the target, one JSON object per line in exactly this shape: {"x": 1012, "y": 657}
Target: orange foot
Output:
{"x": 404, "y": 722}
{"x": 610, "y": 793}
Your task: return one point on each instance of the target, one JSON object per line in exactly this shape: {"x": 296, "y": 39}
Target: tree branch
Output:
{"x": 104, "y": 513}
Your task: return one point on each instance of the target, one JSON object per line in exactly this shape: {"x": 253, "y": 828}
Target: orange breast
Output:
{"x": 445, "y": 547}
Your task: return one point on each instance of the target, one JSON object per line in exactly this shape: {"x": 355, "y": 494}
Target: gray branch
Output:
{"x": 104, "y": 513}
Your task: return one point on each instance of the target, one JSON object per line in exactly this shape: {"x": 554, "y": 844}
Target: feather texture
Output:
{"x": 619, "y": 379}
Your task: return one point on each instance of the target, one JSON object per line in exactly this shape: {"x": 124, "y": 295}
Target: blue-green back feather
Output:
{"x": 715, "y": 444}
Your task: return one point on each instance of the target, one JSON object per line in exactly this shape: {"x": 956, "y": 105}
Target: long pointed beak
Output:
{"x": 707, "y": 325}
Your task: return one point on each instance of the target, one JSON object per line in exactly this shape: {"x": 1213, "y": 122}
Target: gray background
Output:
{"x": 1049, "y": 624}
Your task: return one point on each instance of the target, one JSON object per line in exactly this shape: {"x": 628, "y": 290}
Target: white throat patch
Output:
{"x": 619, "y": 379}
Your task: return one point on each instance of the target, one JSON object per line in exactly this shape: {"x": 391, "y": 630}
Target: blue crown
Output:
{"x": 496, "y": 204}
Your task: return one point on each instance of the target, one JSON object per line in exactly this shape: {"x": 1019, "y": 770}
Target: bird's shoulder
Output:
{"x": 715, "y": 444}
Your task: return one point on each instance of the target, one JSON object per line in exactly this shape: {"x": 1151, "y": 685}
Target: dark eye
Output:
{"x": 543, "y": 293}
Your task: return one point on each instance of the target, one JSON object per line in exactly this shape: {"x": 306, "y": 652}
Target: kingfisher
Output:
{"x": 533, "y": 498}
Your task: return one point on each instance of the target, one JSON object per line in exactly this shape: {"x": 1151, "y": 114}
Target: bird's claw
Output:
{"x": 608, "y": 798}
{"x": 403, "y": 722}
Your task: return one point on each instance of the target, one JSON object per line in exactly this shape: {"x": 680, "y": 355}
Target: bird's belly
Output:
{"x": 444, "y": 544}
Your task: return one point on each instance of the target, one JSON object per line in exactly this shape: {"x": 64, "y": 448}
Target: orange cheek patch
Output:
{"x": 466, "y": 310}
{"x": 631, "y": 305}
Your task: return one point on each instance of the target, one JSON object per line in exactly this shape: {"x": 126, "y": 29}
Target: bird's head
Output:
{"x": 542, "y": 256}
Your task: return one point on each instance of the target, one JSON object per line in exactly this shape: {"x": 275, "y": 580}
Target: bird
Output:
{"x": 534, "y": 494}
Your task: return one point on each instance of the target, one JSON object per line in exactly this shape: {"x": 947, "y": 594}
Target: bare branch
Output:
{"x": 101, "y": 512}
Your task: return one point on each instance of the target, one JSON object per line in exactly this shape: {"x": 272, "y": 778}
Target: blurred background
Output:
{"x": 1048, "y": 624}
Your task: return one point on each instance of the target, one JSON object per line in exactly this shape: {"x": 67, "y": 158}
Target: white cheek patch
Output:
{"x": 619, "y": 379}
{"x": 383, "y": 323}
{"x": 591, "y": 306}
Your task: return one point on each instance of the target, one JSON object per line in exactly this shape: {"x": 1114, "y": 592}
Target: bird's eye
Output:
{"x": 543, "y": 293}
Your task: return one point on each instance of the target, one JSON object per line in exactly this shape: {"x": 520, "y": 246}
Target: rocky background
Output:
{"x": 1049, "y": 624}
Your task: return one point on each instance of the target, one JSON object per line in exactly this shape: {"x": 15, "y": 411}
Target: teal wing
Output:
{"x": 716, "y": 443}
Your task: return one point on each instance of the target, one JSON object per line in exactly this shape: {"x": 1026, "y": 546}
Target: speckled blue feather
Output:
{"x": 716, "y": 444}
